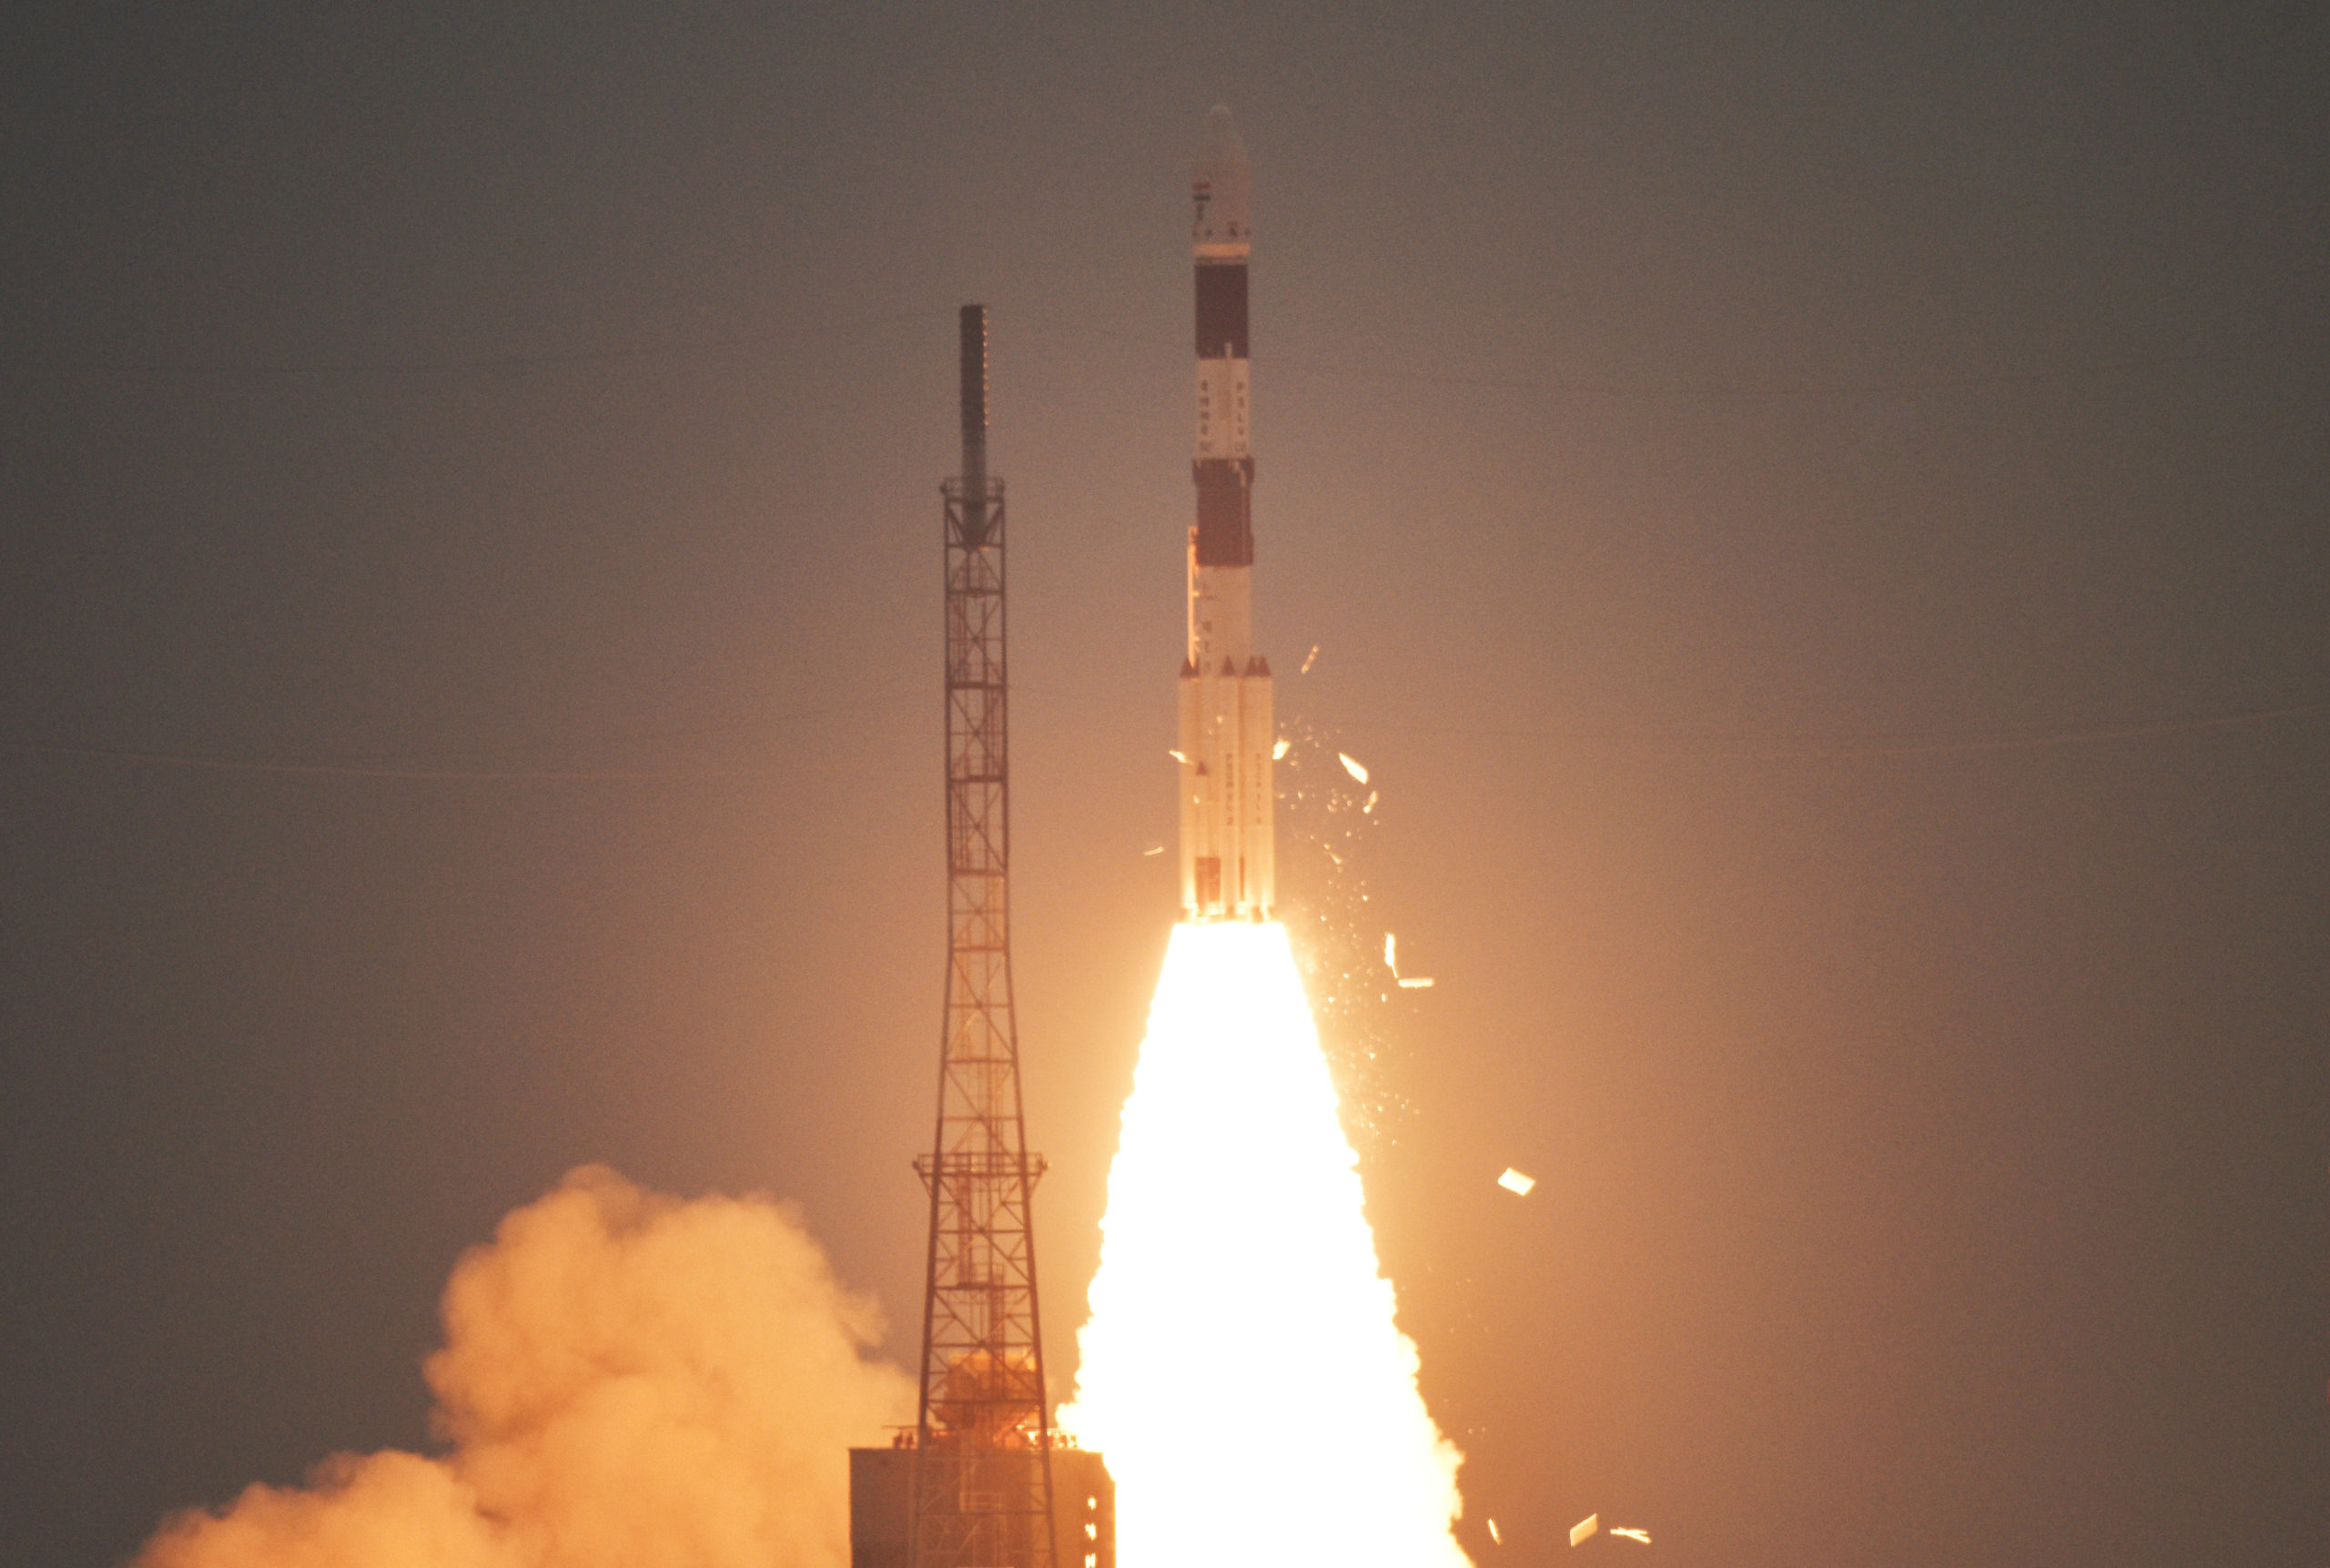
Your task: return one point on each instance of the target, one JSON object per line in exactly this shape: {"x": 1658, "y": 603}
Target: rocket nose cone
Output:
{"x": 1223, "y": 190}
{"x": 1218, "y": 143}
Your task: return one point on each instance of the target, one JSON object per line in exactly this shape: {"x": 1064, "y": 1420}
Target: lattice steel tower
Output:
{"x": 982, "y": 1495}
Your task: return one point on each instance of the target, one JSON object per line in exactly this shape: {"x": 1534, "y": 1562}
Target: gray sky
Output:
{"x": 1797, "y": 505}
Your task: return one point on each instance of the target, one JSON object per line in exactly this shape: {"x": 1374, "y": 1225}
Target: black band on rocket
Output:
{"x": 1221, "y": 310}
{"x": 1225, "y": 511}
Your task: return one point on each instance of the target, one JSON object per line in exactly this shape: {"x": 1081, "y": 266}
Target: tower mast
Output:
{"x": 982, "y": 1490}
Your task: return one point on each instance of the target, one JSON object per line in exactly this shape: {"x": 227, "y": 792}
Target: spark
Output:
{"x": 1584, "y": 1528}
{"x": 1493, "y": 1536}
{"x": 1518, "y": 1184}
{"x": 1641, "y": 1535}
{"x": 1260, "y": 1270}
{"x": 1370, "y": 806}
{"x": 1415, "y": 982}
{"x": 1309, "y": 659}
{"x": 1175, "y": 753}
{"x": 1351, "y": 767}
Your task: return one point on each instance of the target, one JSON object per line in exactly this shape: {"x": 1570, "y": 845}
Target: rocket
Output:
{"x": 1228, "y": 742}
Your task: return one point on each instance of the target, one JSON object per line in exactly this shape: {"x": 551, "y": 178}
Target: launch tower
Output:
{"x": 982, "y": 1470}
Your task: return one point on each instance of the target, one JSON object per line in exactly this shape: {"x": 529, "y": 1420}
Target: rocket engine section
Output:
{"x": 1226, "y": 869}
{"x": 1227, "y": 731}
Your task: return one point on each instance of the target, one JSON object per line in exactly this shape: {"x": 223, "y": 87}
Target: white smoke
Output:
{"x": 628, "y": 1381}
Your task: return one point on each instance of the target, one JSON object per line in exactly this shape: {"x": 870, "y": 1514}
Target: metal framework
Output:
{"x": 983, "y": 1496}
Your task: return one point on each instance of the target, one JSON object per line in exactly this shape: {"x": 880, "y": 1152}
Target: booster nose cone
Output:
{"x": 1219, "y": 139}
{"x": 1222, "y": 189}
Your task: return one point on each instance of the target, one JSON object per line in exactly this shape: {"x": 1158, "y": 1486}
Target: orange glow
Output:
{"x": 1239, "y": 1298}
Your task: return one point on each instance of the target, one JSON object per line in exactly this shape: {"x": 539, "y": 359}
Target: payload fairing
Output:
{"x": 1227, "y": 733}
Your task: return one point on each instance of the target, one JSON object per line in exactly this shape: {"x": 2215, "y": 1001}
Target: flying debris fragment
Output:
{"x": 1392, "y": 962}
{"x": 1512, "y": 1182}
{"x": 1309, "y": 659}
{"x": 1493, "y": 1536}
{"x": 1278, "y": 752}
{"x": 1641, "y": 1535}
{"x": 1584, "y": 1527}
{"x": 1154, "y": 849}
{"x": 1351, "y": 767}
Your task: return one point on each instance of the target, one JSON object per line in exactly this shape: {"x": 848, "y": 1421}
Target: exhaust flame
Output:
{"x": 1241, "y": 1367}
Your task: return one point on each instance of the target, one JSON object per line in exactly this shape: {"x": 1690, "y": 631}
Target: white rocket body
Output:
{"x": 1226, "y": 732}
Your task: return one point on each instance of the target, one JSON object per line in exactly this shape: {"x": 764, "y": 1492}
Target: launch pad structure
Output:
{"x": 975, "y": 1483}
{"x": 979, "y": 1502}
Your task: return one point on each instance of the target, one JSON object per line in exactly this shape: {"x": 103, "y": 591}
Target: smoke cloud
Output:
{"x": 626, "y": 1380}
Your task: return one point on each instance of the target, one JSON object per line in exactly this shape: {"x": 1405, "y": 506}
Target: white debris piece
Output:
{"x": 1392, "y": 959}
{"x": 1584, "y": 1528}
{"x": 1154, "y": 849}
{"x": 1309, "y": 659}
{"x": 1641, "y": 1535}
{"x": 1278, "y": 752}
{"x": 1370, "y": 806}
{"x": 1493, "y": 1535}
{"x": 1512, "y": 1182}
{"x": 1351, "y": 767}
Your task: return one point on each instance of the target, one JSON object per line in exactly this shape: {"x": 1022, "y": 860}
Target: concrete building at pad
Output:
{"x": 881, "y": 1504}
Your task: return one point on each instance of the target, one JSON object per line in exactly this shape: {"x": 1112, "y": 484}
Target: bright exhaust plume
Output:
{"x": 1241, "y": 1367}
